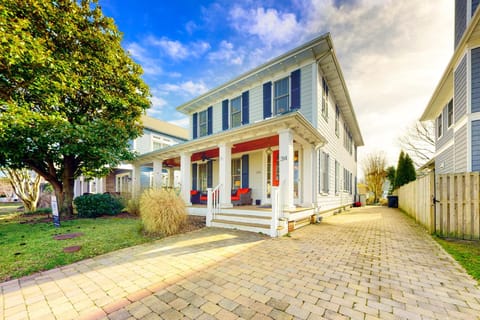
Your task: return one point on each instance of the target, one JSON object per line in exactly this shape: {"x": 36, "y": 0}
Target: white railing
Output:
{"x": 213, "y": 204}
{"x": 277, "y": 209}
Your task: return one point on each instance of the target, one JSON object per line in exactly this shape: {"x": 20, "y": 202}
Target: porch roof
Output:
{"x": 320, "y": 50}
{"x": 444, "y": 90}
{"x": 303, "y": 131}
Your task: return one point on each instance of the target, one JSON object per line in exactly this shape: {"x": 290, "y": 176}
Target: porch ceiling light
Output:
{"x": 269, "y": 150}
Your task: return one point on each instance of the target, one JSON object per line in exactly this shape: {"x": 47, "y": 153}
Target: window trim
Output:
{"x": 239, "y": 112}
{"x": 337, "y": 121}
{"x": 450, "y": 116}
{"x": 239, "y": 175}
{"x": 200, "y": 123}
{"x": 325, "y": 99}
{"x": 439, "y": 126}
{"x": 275, "y": 98}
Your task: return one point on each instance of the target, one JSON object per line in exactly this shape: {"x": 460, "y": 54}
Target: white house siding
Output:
{"x": 256, "y": 174}
{"x": 337, "y": 152}
{"x": 444, "y": 161}
{"x": 461, "y": 162}
{"x": 143, "y": 144}
{"x": 217, "y": 117}
{"x": 256, "y": 107}
{"x": 306, "y": 93}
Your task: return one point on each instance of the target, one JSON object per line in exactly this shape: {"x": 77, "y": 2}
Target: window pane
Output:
{"x": 202, "y": 123}
{"x": 281, "y": 96}
{"x": 236, "y": 173}
{"x": 281, "y": 105}
{"x": 236, "y": 112}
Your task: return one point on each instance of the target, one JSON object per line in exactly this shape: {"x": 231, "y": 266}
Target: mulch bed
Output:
{"x": 193, "y": 223}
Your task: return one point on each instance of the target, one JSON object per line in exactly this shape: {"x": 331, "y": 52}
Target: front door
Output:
{"x": 273, "y": 174}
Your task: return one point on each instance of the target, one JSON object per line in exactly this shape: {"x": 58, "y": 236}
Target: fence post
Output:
{"x": 208, "y": 219}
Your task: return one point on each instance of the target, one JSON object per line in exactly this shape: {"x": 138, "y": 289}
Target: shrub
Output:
{"x": 95, "y": 205}
{"x": 133, "y": 206}
{"x": 162, "y": 211}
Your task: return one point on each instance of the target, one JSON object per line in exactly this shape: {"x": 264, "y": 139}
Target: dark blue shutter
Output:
{"x": 209, "y": 120}
{"x": 295, "y": 89}
{"x": 267, "y": 100}
{"x": 225, "y": 114}
{"x": 194, "y": 176}
{"x": 245, "y": 171}
{"x": 209, "y": 174}
{"x": 195, "y": 125}
{"x": 245, "y": 108}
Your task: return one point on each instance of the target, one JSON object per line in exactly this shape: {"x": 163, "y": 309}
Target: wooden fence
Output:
{"x": 456, "y": 212}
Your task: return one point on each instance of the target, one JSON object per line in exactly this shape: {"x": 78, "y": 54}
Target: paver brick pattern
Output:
{"x": 368, "y": 263}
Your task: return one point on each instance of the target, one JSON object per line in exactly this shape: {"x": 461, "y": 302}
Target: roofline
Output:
{"x": 459, "y": 50}
{"x": 309, "y": 45}
{"x": 211, "y": 141}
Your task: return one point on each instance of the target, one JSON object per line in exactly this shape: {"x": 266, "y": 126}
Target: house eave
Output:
{"x": 294, "y": 121}
{"x": 444, "y": 90}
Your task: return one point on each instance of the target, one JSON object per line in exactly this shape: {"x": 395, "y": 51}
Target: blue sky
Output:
{"x": 392, "y": 52}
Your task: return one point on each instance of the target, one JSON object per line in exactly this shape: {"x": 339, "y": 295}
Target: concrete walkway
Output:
{"x": 369, "y": 263}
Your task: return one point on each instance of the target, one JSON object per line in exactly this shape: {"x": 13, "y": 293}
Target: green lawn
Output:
{"x": 467, "y": 253}
{"x": 27, "y": 247}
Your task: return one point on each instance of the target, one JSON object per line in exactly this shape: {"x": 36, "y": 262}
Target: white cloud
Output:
{"x": 177, "y": 50}
{"x": 270, "y": 25}
{"x": 183, "y": 122}
{"x": 149, "y": 65}
{"x": 188, "y": 88}
{"x": 227, "y": 53}
{"x": 157, "y": 102}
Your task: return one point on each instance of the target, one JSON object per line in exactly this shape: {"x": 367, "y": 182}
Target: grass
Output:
{"x": 467, "y": 253}
{"x": 27, "y": 245}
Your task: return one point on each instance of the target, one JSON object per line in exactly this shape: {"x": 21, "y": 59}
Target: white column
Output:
{"x": 171, "y": 177}
{"x": 307, "y": 176}
{"x": 225, "y": 175}
{"x": 157, "y": 173}
{"x": 285, "y": 158}
{"x": 186, "y": 177}
{"x": 136, "y": 172}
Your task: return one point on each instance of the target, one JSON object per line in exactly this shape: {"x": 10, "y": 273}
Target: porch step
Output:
{"x": 245, "y": 226}
{"x": 247, "y": 218}
{"x": 247, "y": 212}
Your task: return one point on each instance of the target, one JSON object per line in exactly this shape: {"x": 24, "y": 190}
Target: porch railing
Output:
{"x": 277, "y": 206}
{"x": 213, "y": 204}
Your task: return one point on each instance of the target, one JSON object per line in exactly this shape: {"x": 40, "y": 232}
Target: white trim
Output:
{"x": 459, "y": 125}
{"x": 468, "y": 72}
{"x": 314, "y": 95}
{"x": 469, "y": 144}
{"x": 447, "y": 145}
{"x": 438, "y": 137}
{"x": 469, "y": 13}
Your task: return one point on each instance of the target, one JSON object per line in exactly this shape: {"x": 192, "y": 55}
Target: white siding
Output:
{"x": 217, "y": 117}
{"x": 256, "y": 104}
{"x": 256, "y": 175}
{"x": 306, "y": 92}
{"x": 143, "y": 144}
{"x": 336, "y": 151}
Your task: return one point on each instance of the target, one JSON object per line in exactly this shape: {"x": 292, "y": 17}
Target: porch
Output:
{"x": 275, "y": 160}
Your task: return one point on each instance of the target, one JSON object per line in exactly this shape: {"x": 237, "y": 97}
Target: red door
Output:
{"x": 275, "y": 169}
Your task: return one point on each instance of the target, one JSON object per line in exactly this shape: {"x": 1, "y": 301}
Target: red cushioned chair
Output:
{"x": 242, "y": 196}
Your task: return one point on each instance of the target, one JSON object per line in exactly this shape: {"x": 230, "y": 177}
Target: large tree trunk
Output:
{"x": 68, "y": 185}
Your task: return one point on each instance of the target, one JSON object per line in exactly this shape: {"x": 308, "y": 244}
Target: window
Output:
{"x": 202, "y": 176}
{"x": 281, "y": 96}
{"x": 450, "y": 114}
{"x": 439, "y": 126}
{"x": 325, "y": 99}
{"x": 160, "y": 142}
{"x": 337, "y": 176}
{"x": 236, "y": 112}
{"x": 202, "y": 123}
{"x": 236, "y": 173}
{"x": 337, "y": 121}
{"x": 323, "y": 159}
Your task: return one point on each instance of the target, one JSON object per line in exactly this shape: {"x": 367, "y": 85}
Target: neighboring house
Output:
{"x": 455, "y": 104}
{"x": 285, "y": 132}
{"x": 157, "y": 134}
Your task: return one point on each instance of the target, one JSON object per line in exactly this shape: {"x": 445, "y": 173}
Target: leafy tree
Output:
{"x": 26, "y": 186}
{"x": 405, "y": 170}
{"x": 391, "y": 172}
{"x": 70, "y": 96}
{"x": 374, "y": 169}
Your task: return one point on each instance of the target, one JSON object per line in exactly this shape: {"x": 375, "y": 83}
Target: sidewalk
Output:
{"x": 369, "y": 263}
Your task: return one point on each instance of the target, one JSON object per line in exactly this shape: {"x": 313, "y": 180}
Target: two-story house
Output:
{"x": 455, "y": 103}
{"x": 285, "y": 132}
{"x": 157, "y": 134}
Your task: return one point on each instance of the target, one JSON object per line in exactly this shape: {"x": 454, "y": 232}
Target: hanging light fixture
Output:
{"x": 268, "y": 151}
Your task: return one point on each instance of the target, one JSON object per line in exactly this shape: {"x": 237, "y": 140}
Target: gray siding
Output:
{"x": 460, "y": 90}
{"x": 461, "y": 162}
{"x": 306, "y": 92}
{"x": 444, "y": 159}
{"x": 447, "y": 133}
{"x": 460, "y": 19}
{"x": 475, "y": 80}
{"x": 476, "y": 145}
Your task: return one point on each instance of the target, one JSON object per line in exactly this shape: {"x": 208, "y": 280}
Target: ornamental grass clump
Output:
{"x": 162, "y": 212}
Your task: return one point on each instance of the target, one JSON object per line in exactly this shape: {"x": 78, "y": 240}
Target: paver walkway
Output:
{"x": 368, "y": 263}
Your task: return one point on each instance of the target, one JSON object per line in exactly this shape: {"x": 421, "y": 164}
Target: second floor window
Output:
{"x": 236, "y": 112}
{"x": 202, "y": 123}
{"x": 325, "y": 99}
{"x": 337, "y": 121}
{"x": 450, "y": 114}
{"x": 281, "y": 96}
{"x": 439, "y": 126}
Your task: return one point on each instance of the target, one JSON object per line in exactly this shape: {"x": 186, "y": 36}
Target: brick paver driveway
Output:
{"x": 368, "y": 263}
